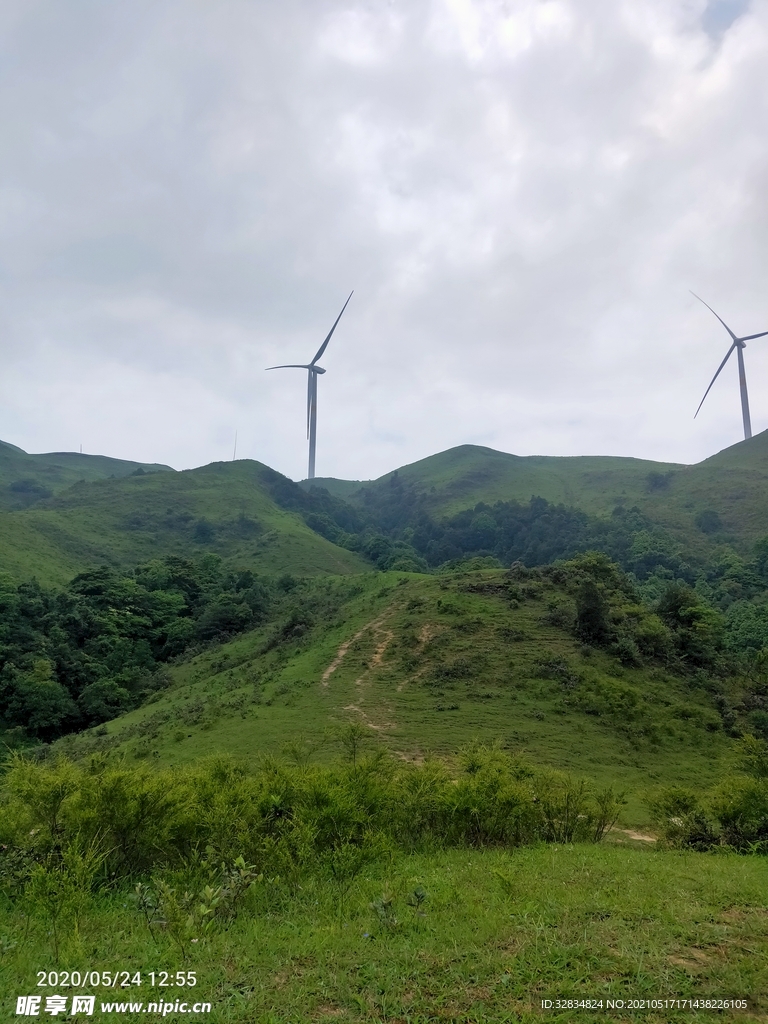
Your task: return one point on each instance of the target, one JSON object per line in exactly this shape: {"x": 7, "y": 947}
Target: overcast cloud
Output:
{"x": 521, "y": 193}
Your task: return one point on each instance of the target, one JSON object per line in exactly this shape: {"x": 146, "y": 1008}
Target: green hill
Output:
{"x": 426, "y": 664}
{"x": 224, "y": 508}
{"x": 722, "y": 500}
{"x": 26, "y": 479}
{"x": 62, "y": 513}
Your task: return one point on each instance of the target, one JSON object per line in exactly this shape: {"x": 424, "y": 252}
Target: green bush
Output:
{"x": 286, "y": 819}
{"x": 592, "y": 624}
{"x": 740, "y": 807}
{"x": 696, "y": 628}
{"x": 653, "y": 639}
{"x": 734, "y": 814}
{"x": 678, "y": 814}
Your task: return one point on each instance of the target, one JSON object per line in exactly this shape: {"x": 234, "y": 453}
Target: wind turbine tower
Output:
{"x": 738, "y": 344}
{"x": 312, "y": 372}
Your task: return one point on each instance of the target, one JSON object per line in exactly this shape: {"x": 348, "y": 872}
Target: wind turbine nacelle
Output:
{"x": 317, "y": 369}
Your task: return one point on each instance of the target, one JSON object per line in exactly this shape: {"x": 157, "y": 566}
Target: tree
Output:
{"x": 103, "y": 700}
{"x": 39, "y": 703}
{"x": 696, "y": 628}
{"x": 592, "y": 624}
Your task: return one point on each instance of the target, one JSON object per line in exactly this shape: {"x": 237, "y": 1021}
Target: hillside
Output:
{"x": 360, "y": 795}
{"x": 427, "y": 664}
{"x": 64, "y": 513}
{"x": 224, "y": 509}
{"x": 730, "y": 489}
{"x": 26, "y": 479}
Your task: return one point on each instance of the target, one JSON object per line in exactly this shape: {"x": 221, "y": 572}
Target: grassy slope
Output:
{"x": 734, "y": 483}
{"x": 428, "y": 678}
{"x": 125, "y": 521}
{"x": 126, "y": 518}
{"x": 57, "y": 471}
{"x": 498, "y": 933}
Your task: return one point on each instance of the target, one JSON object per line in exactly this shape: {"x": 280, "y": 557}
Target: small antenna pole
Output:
{"x": 234, "y": 453}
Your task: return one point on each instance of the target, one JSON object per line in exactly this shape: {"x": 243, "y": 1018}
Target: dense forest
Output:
{"x": 82, "y": 655}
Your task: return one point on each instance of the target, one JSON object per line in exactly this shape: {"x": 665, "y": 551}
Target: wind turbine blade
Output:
{"x": 324, "y": 346}
{"x": 725, "y": 325}
{"x": 290, "y": 366}
{"x": 749, "y": 337}
{"x": 727, "y": 357}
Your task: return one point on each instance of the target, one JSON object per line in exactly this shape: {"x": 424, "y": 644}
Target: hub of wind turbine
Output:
{"x": 313, "y": 370}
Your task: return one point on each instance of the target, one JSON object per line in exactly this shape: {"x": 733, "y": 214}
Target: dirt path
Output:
{"x": 635, "y": 835}
{"x": 373, "y": 624}
{"x": 378, "y": 655}
{"x": 426, "y": 633}
{"x": 383, "y": 637}
{"x": 377, "y": 726}
{"x": 387, "y": 636}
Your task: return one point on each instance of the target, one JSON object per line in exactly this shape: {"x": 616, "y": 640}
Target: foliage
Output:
{"x": 591, "y": 614}
{"x": 284, "y": 818}
{"x": 696, "y": 628}
{"x": 733, "y": 814}
{"x": 83, "y": 655}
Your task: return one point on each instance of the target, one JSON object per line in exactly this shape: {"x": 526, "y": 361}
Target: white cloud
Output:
{"x": 520, "y": 194}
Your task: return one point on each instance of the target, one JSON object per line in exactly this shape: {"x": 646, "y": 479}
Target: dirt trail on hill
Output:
{"x": 373, "y": 624}
{"x": 427, "y": 632}
{"x": 377, "y": 726}
{"x": 383, "y": 636}
{"x": 635, "y": 835}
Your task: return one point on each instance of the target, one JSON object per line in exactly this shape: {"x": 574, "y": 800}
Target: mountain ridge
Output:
{"x": 65, "y": 512}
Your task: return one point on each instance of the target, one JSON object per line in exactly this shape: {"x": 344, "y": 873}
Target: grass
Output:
{"x": 495, "y": 933}
{"x": 221, "y": 509}
{"x": 34, "y": 475}
{"x": 733, "y": 483}
{"x": 427, "y": 664}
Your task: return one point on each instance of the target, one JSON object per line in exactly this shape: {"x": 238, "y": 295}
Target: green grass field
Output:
{"x": 494, "y": 934}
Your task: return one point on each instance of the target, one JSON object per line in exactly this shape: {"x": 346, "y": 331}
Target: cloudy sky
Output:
{"x": 520, "y": 192}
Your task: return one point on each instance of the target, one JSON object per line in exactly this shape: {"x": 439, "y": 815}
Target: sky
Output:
{"x": 520, "y": 192}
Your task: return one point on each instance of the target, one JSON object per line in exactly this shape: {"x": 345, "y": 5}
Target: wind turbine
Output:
{"x": 738, "y": 344}
{"x": 313, "y": 370}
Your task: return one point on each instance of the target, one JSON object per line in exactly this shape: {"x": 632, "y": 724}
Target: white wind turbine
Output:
{"x": 312, "y": 371}
{"x": 738, "y": 344}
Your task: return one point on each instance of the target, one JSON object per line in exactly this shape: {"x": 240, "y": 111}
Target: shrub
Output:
{"x": 682, "y": 821}
{"x": 592, "y": 614}
{"x": 626, "y": 650}
{"x": 740, "y": 806}
{"x": 288, "y": 819}
{"x": 696, "y": 628}
{"x": 104, "y": 700}
{"x": 653, "y": 639}
{"x": 708, "y": 521}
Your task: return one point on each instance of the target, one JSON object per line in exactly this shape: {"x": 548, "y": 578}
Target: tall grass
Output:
{"x": 283, "y": 818}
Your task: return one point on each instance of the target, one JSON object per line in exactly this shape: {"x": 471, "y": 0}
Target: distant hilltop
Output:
{"x": 26, "y": 475}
